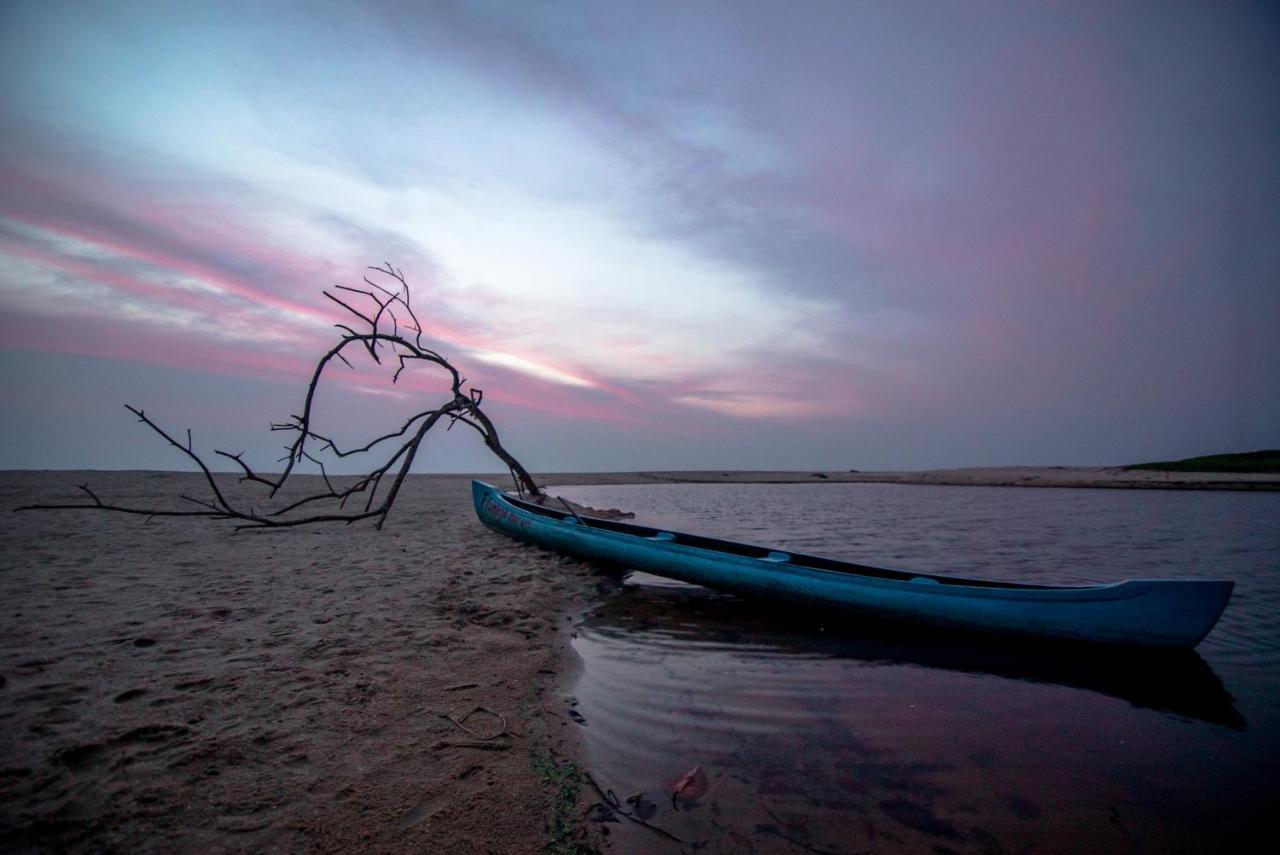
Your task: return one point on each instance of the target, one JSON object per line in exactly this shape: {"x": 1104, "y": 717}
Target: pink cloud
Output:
{"x": 171, "y": 239}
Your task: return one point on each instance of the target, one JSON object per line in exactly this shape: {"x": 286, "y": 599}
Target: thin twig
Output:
{"x": 460, "y": 723}
{"x": 614, "y": 805}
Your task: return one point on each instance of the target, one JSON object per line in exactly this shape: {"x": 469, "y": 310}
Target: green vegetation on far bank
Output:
{"x": 1252, "y": 461}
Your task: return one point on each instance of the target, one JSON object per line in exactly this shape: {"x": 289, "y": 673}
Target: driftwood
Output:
{"x": 388, "y": 332}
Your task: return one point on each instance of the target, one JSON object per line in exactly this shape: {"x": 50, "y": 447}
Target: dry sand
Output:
{"x": 175, "y": 686}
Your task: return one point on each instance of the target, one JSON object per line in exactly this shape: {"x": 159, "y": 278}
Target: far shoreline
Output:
{"x": 1095, "y": 477}
{"x": 1077, "y": 477}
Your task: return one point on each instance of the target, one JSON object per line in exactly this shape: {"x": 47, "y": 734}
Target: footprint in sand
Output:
{"x": 77, "y": 758}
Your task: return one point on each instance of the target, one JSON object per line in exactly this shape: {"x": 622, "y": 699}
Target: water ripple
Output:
{"x": 848, "y": 741}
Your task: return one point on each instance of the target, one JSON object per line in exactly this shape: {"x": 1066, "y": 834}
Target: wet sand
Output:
{"x": 174, "y": 686}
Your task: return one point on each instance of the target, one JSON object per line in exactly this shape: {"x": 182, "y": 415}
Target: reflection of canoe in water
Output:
{"x": 670, "y": 618}
{"x": 1148, "y": 613}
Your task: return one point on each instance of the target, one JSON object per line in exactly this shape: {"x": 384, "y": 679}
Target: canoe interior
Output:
{"x": 747, "y": 550}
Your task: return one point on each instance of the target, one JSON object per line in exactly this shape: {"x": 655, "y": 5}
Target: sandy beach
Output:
{"x": 175, "y": 686}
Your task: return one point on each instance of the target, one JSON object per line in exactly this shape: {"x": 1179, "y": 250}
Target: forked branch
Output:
{"x": 381, "y": 328}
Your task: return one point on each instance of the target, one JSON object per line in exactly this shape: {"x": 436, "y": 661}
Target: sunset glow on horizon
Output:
{"x": 662, "y": 236}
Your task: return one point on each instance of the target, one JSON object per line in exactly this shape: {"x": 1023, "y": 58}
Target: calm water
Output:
{"x": 816, "y": 735}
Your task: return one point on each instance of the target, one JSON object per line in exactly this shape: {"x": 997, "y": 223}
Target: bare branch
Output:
{"x": 461, "y": 406}
{"x": 361, "y": 315}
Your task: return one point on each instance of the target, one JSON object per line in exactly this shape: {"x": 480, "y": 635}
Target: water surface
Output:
{"x": 816, "y": 734}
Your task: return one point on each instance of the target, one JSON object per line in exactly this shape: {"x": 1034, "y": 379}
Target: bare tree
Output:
{"x": 388, "y": 332}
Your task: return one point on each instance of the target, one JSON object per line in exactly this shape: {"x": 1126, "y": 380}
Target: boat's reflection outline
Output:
{"x": 1176, "y": 682}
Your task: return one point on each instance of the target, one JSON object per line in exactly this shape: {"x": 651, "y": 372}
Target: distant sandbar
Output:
{"x": 1115, "y": 477}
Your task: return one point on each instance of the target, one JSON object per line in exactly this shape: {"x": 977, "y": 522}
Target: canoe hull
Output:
{"x": 1148, "y": 613}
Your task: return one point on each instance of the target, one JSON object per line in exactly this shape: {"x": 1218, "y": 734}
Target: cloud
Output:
{"x": 532, "y": 367}
{"x": 1014, "y": 223}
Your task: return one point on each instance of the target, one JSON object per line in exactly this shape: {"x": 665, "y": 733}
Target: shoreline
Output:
{"x": 1075, "y": 477}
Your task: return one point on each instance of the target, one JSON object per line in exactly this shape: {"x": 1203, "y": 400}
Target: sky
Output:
{"x": 661, "y": 235}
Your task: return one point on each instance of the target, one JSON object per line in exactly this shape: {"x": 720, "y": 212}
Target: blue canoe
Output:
{"x": 1146, "y": 613}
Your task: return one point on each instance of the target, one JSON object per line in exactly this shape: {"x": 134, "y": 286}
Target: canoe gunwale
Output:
{"x": 683, "y": 541}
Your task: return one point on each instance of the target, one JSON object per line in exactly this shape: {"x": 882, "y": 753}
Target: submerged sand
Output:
{"x": 175, "y": 686}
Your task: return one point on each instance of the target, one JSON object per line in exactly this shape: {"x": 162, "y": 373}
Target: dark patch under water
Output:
{"x": 817, "y": 734}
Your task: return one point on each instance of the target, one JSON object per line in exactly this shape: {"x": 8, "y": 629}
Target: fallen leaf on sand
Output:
{"x": 692, "y": 785}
